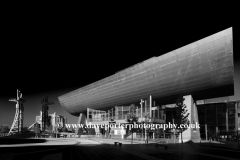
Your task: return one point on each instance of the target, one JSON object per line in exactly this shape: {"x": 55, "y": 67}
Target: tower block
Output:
{"x": 17, "y": 125}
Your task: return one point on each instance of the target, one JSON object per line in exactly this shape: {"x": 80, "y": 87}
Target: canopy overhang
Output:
{"x": 200, "y": 66}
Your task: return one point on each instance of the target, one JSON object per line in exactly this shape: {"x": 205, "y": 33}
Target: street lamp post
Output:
{"x": 237, "y": 124}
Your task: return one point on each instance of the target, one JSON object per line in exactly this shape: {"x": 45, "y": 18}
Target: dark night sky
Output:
{"x": 58, "y": 54}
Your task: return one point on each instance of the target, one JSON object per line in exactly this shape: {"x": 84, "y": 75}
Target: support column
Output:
{"x": 216, "y": 122}
{"x": 174, "y": 131}
{"x": 236, "y": 116}
{"x": 237, "y": 122}
{"x": 150, "y": 107}
{"x": 122, "y": 130}
{"x": 226, "y": 118}
{"x": 141, "y": 107}
{"x": 145, "y": 135}
{"x": 106, "y": 129}
{"x": 116, "y": 113}
{"x": 154, "y": 134}
{"x": 137, "y": 112}
{"x": 205, "y": 118}
{"x": 145, "y": 106}
{"x": 112, "y": 113}
{"x": 158, "y": 113}
{"x": 98, "y": 112}
{"x": 206, "y": 132}
{"x": 122, "y": 113}
{"x": 163, "y": 133}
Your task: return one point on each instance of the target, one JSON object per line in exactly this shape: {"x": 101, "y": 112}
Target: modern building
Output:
{"x": 202, "y": 72}
{"x": 54, "y": 121}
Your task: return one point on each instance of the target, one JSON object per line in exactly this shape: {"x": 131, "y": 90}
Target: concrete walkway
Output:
{"x": 224, "y": 144}
{"x": 49, "y": 142}
{"x": 97, "y": 148}
{"x": 174, "y": 151}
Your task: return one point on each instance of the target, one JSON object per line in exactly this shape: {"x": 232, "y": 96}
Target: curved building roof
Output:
{"x": 205, "y": 64}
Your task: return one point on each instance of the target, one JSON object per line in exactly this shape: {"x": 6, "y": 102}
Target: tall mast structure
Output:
{"x": 17, "y": 125}
{"x": 45, "y": 108}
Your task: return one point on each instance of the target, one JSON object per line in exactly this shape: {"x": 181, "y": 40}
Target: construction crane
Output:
{"x": 45, "y": 108}
{"x": 17, "y": 125}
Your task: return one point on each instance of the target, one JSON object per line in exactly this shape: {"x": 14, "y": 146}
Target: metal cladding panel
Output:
{"x": 205, "y": 64}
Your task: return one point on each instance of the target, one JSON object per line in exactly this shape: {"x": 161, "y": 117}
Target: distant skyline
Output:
{"x": 59, "y": 58}
{"x": 32, "y": 108}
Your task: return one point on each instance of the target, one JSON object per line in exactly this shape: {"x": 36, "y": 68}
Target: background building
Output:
{"x": 54, "y": 121}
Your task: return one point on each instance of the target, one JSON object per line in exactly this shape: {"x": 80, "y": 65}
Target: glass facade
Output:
{"x": 116, "y": 113}
{"x": 219, "y": 120}
{"x": 97, "y": 115}
{"x": 158, "y": 113}
{"x": 121, "y": 112}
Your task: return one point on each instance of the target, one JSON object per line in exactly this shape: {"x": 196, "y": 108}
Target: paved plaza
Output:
{"x": 96, "y": 148}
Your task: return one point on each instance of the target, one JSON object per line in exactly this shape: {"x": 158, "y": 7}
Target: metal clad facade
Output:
{"x": 207, "y": 63}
